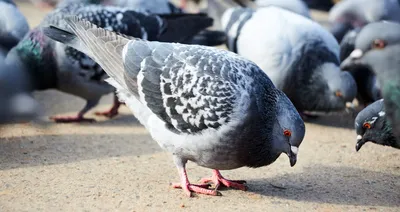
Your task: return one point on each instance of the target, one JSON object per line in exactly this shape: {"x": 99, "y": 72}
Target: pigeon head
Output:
{"x": 371, "y": 126}
{"x": 324, "y": 89}
{"x": 289, "y": 128}
{"x": 342, "y": 87}
{"x": 376, "y": 44}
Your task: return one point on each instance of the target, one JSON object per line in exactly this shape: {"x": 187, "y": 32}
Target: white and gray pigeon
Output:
{"x": 299, "y": 55}
{"x": 13, "y": 25}
{"x": 55, "y": 65}
{"x": 372, "y": 125}
{"x": 216, "y": 8}
{"x": 349, "y": 14}
{"x": 368, "y": 90}
{"x": 378, "y": 46}
{"x": 199, "y": 103}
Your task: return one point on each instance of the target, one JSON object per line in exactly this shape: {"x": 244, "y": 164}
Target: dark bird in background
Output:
{"x": 368, "y": 90}
{"x": 13, "y": 25}
{"x": 371, "y": 125}
{"x": 54, "y": 65}
{"x": 378, "y": 46}
{"x": 201, "y": 104}
{"x": 350, "y": 14}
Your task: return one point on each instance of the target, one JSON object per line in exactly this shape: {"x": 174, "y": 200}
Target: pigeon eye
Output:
{"x": 367, "y": 125}
{"x": 378, "y": 44}
{"x": 287, "y": 133}
{"x": 338, "y": 94}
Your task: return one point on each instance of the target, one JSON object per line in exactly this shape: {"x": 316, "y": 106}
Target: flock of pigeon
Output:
{"x": 220, "y": 109}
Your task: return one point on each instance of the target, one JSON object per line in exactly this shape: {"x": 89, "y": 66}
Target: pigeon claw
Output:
{"x": 109, "y": 114}
{"x": 219, "y": 180}
{"x": 70, "y": 119}
{"x": 198, "y": 189}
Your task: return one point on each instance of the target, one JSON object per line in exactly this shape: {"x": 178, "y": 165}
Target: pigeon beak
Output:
{"x": 360, "y": 142}
{"x": 293, "y": 155}
{"x": 352, "y": 60}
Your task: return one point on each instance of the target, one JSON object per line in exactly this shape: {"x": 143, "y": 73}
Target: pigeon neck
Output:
{"x": 263, "y": 113}
{"x": 36, "y": 55}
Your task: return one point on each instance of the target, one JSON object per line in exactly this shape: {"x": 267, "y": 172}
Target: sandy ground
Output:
{"x": 113, "y": 165}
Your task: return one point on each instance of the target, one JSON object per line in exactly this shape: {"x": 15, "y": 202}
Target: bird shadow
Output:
{"x": 43, "y": 150}
{"x": 334, "y": 185}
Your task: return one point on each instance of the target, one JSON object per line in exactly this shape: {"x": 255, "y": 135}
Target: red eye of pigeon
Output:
{"x": 287, "y": 133}
{"x": 378, "y": 44}
{"x": 367, "y": 125}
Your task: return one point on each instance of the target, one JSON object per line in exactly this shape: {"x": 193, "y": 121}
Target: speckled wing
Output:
{"x": 129, "y": 22}
{"x": 191, "y": 88}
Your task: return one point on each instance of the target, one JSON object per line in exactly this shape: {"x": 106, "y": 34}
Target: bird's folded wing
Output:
{"x": 191, "y": 88}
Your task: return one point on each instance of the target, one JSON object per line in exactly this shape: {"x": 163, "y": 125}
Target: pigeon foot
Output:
{"x": 198, "y": 189}
{"x": 70, "y": 119}
{"x": 219, "y": 180}
{"x": 189, "y": 188}
{"x": 109, "y": 114}
{"x": 113, "y": 110}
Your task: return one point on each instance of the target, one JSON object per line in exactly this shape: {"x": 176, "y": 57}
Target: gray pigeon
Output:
{"x": 300, "y": 56}
{"x": 350, "y": 14}
{"x": 54, "y": 65}
{"x": 17, "y": 105}
{"x": 367, "y": 84}
{"x": 201, "y": 104}
{"x": 372, "y": 126}
{"x": 378, "y": 46}
{"x": 13, "y": 25}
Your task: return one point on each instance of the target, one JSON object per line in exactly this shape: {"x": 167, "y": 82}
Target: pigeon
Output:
{"x": 13, "y": 25}
{"x": 372, "y": 126}
{"x": 17, "y": 105}
{"x": 201, "y": 104}
{"x": 54, "y": 65}
{"x": 378, "y": 46}
{"x": 300, "y": 56}
{"x": 350, "y": 14}
{"x": 368, "y": 90}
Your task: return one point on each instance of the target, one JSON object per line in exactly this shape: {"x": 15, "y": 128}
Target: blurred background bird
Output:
{"x": 13, "y": 25}
{"x": 378, "y": 46}
{"x": 350, "y": 14}
{"x": 54, "y": 65}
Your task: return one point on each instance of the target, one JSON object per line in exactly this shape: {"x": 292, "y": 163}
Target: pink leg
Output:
{"x": 79, "y": 117}
{"x": 218, "y": 180}
{"x": 70, "y": 119}
{"x": 188, "y": 188}
{"x": 113, "y": 111}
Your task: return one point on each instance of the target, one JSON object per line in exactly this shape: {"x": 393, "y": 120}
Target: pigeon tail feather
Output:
{"x": 103, "y": 46}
